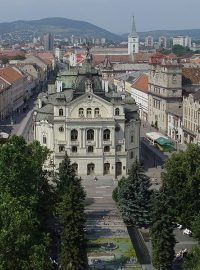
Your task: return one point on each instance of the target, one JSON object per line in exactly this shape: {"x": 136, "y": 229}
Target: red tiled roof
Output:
{"x": 141, "y": 83}
{"x": 97, "y": 59}
{"x": 10, "y": 74}
{"x": 142, "y": 57}
{"x": 191, "y": 76}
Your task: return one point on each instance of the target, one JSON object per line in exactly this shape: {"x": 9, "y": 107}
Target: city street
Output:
{"x": 20, "y": 123}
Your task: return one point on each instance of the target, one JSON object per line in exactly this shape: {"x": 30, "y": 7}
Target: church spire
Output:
{"x": 133, "y": 30}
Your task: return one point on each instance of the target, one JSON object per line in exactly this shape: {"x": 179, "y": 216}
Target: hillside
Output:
{"x": 58, "y": 26}
{"x": 193, "y": 33}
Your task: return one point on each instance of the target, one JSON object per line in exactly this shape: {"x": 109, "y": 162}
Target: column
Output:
{"x": 84, "y": 137}
{"x": 96, "y": 138}
{"x": 81, "y": 137}
{"x": 68, "y": 139}
{"x": 113, "y": 137}
{"x": 100, "y": 138}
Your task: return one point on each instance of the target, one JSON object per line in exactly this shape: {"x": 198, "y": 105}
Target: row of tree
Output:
{"x": 31, "y": 210}
{"x": 178, "y": 200}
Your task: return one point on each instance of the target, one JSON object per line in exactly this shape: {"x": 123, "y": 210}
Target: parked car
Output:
{"x": 179, "y": 226}
{"x": 187, "y": 232}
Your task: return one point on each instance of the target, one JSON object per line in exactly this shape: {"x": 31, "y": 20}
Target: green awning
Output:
{"x": 163, "y": 141}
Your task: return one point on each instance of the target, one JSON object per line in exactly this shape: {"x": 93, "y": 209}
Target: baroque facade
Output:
{"x": 98, "y": 129}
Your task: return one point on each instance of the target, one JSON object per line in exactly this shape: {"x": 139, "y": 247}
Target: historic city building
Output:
{"x": 97, "y": 127}
{"x": 164, "y": 89}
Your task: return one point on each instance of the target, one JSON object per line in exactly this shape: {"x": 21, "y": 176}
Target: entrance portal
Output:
{"x": 90, "y": 169}
{"x": 106, "y": 168}
{"x": 118, "y": 168}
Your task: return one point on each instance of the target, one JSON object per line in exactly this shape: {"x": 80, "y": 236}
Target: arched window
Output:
{"x": 90, "y": 149}
{"x": 90, "y": 135}
{"x": 117, "y": 111}
{"x": 44, "y": 139}
{"x": 106, "y": 135}
{"x": 61, "y": 148}
{"x": 96, "y": 112}
{"x": 74, "y": 149}
{"x": 60, "y": 112}
{"x": 61, "y": 129}
{"x": 74, "y": 135}
{"x": 81, "y": 112}
{"x": 106, "y": 148}
{"x": 89, "y": 112}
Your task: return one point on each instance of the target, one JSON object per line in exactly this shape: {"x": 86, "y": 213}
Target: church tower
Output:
{"x": 133, "y": 40}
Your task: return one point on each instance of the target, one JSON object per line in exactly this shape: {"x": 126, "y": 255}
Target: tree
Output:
{"x": 180, "y": 50}
{"x": 25, "y": 183}
{"x": 182, "y": 179}
{"x": 70, "y": 211}
{"x": 192, "y": 260}
{"x": 163, "y": 240}
{"x": 196, "y": 227}
{"x": 134, "y": 197}
{"x": 19, "y": 241}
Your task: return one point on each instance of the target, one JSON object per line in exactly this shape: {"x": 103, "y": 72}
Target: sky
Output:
{"x": 113, "y": 15}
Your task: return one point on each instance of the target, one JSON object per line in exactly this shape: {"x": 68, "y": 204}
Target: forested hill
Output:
{"x": 59, "y": 26}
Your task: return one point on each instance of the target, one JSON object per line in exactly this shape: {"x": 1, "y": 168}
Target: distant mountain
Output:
{"x": 58, "y": 26}
{"x": 193, "y": 33}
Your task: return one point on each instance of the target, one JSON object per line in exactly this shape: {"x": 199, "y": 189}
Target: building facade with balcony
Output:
{"x": 191, "y": 118}
{"x": 99, "y": 130}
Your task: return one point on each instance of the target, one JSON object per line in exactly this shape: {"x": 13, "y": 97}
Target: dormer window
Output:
{"x": 96, "y": 112}
{"x": 60, "y": 112}
{"x": 89, "y": 112}
{"x": 81, "y": 112}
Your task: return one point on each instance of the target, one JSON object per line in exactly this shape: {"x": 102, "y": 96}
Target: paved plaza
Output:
{"x": 109, "y": 244}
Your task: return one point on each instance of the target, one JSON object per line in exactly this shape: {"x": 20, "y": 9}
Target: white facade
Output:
{"x": 99, "y": 132}
{"x": 141, "y": 99}
{"x": 184, "y": 41}
{"x": 175, "y": 131}
{"x": 191, "y": 118}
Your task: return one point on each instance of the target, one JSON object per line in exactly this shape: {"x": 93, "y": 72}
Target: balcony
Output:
{"x": 107, "y": 142}
{"x": 76, "y": 143}
{"x": 120, "y": 141}
{"x": 88, "y": 142}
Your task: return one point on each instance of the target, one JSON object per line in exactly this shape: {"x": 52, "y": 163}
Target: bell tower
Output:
{"x": 133, "y": 40}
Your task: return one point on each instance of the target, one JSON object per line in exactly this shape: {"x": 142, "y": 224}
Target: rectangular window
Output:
{"x": 131, "y": 138}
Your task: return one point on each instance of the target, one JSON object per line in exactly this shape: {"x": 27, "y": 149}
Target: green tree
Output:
{"x": 70, "y": 211}
{"x": 19, "y": 239}
{"x": 163, "y": 240}
{"x": 134, "y": 197}
{"x": 196, "y": 227}
{"x": 192, "y": 260}
{"x": 182, "y": 179}
{"x": 180, "y": 50}
{"x": 22, "y": 177}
